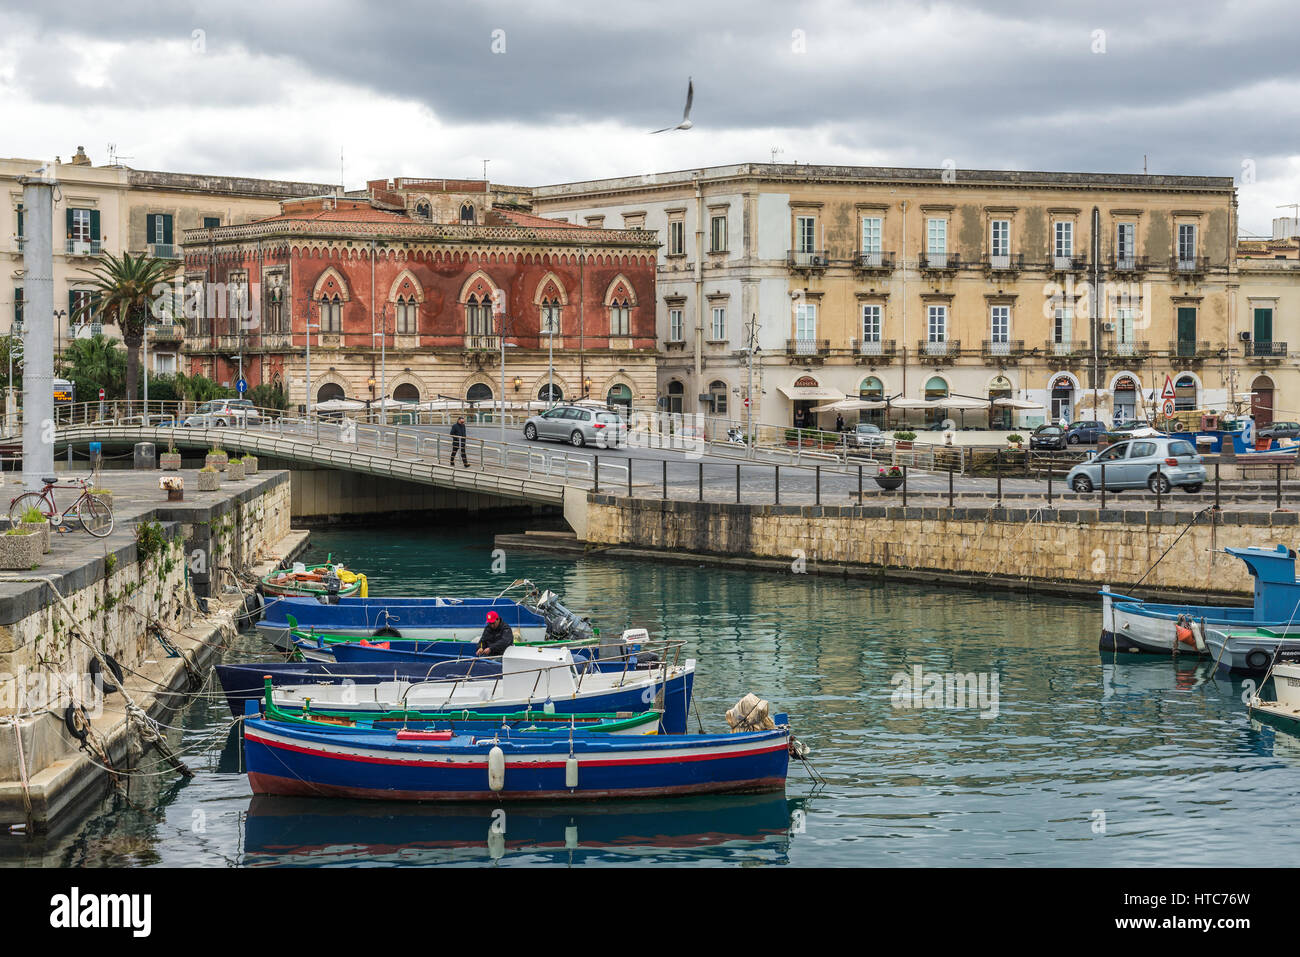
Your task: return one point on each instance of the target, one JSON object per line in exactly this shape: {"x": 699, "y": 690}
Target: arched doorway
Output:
{"x": 406, "y": 393}
{"x": 479, "y": 392}
{"x": 1126, "y": 398}
{"x": 935, "y": 389}
{"x": 1261, "y": 401}
{"x": 718, "y": 396}
{"x": 329, "y": 391}
{"x": 550, "y": 393}
{"x": 620, "y": 394}
{"x": 872, "y": 390}
{"x": 1185, "y": 393}
{"x": 999, "y": 415}
{"x": 676, "y": 393}
{"x": 1062, "y": 400}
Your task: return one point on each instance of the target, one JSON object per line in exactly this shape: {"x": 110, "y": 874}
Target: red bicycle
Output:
{"x": 94, "y": 515}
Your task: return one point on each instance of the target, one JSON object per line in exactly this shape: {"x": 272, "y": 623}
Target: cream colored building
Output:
{"x": 117, "y": 209}
{"x": 916, "y": 284}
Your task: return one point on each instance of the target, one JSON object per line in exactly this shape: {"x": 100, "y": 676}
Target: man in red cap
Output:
{"x": 497, "y": 637}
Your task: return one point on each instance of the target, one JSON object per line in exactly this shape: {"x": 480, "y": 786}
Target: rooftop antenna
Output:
{"x": 113, "y": 158}
{"x": 342, "y": 188}
{"x": 776, "y": 151}
{"x": 485, "y": 162}
{"x": 1144, "y": 164}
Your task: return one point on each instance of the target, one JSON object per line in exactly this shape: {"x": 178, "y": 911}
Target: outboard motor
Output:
{"x": 332, "y": 587}
{"x": 562, "y": 624}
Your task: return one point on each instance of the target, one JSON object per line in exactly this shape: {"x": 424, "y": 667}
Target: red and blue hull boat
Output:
{"x": 443, "y": 766}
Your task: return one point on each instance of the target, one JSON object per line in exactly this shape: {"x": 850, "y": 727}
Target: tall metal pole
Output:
{"x": 501, "y": 415}
{"x": 38, "y": 346}
{"x": 308, "y": 357}
{"x": 550, "y": 360}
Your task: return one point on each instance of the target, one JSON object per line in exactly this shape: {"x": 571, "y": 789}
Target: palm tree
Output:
{"x": 125, "y": 290}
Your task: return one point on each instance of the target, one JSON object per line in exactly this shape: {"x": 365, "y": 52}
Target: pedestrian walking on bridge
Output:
{"x": 458, "y": 442}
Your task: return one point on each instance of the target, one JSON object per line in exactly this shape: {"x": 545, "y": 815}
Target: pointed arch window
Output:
{"x": 331, "y": 314}
{"x": 478, "y": 316}
{"x": 408, "y": 316}
{"x": 467, "y": 214}
{"x": 620, "y": 317}
{"x": 551, "y": 317}
{"x": 423, "y": 210}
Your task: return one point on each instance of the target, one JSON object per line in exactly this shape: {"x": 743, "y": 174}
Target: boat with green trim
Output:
{"x": 315, "y": 645}
{"x": 314, "y": 581}
{"x": 531, "y": 720}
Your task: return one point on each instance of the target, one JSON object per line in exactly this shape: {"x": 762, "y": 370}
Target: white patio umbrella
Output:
{"x": 851, "y": 405}
{"x": 911, "y": 404}
{"x": 960, "y": 402}
{"x": 339, "y": 405}
{"x": 1018, "y": 404}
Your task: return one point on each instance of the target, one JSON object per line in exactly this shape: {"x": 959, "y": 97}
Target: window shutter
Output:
{"x": 72, "y": 306}
{"x": 68, "y": 217}
{"x": 20, "y": 219}
{"x": 150, "y": 229}
{"x": 94, "y": 226}
{"x": 167, "y": 229}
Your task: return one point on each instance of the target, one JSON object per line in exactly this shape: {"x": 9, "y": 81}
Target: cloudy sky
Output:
{"x": 557, "y": 90}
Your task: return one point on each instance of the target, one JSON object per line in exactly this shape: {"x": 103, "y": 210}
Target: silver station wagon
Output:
{"x": 578, "y": 426}
{"x": 1158, "y": 463}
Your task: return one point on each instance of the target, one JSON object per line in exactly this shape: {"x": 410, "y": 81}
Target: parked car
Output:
{"x": 1132, "y": 427}
{"x": 578, "y": 426}
{"x": 1047, "y": 437}
{"x": 1083, "y": 431}
{"x": 1280, "y": 430}
{"x": 1156, "y": 463}
{"x": 220, "y": 413}
{"x": 867, "y": 435}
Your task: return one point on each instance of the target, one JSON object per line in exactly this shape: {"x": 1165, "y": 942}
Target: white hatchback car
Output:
{"x": 220, "y": 413}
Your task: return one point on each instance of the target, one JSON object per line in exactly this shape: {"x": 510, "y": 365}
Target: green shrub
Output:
{"x": 1013, "y": 437}
{"x": 904, "y": 436}
{"x": 32, "y": 515}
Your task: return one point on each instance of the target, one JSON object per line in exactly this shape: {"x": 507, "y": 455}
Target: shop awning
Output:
{"x": 1017, "y": 404}
{"x": 851, "y": 405}
{"x": 801, "y": 393}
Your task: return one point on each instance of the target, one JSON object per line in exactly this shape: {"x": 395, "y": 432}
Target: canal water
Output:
{"x": 1052, "y": 753}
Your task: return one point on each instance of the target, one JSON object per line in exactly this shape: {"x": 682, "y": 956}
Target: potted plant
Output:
{"x": 903, "y": 440}
{"x": 174, "y": 486}
{"x": 889, "y": 478}
{"x": 170, "y": 461}
{"x": 250, "y": 464}
{"x": 209, "y": 479}
{"x": 1014, "y": 439}
{"x": 33, "y": 518}
{"x": 20, "y": 548}
{"x": 235, "y": 470}
{"x": 217, "y": 459}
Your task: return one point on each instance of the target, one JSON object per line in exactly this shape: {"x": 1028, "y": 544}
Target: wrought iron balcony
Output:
{"x": 868, "y": 350}
{"x": 807, "y": 347}
{"x": 1128, "y": 264}
{"x": 1002, "y": 348}
{"x": 83, "y": 247}
{"x": 940, "y": 262}
{"x": 1189, "y": 349}
{"x": 482, "y": 343}
{"x": 939, "y": 350}
{"x": 873, "y": 261}
{"x": 1266, "y": 350}
{"x": 164, "y": 251}
{"x": 1067, "y": 348}
{"x": 166, "y": 332}
{"x": 1190, "y": 266}
{"x": 1066, "y": 263}
{"x": 1126, "y": 350}
{"x": 1005, "y": 262}
{"x": 807, "y": 259}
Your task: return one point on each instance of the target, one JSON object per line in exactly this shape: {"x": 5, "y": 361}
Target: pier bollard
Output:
{"x": 144, "y": 456}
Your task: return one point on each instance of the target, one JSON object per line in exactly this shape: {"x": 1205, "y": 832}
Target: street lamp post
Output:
{"x": 310, "y": 327}
{"x": 383, "y": 364}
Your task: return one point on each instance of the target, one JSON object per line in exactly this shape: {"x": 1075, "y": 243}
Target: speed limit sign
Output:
{"x": 1168, "y": 408}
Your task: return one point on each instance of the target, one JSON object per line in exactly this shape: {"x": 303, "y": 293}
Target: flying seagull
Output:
{"x": 685, "y": 124}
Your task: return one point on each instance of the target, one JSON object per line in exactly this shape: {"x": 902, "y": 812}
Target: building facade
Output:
{"x": 1268, "y": 277}
{"x": 409, "y": 287}
{"x": 816, "y": 283}
{"x": 115, "y": 209}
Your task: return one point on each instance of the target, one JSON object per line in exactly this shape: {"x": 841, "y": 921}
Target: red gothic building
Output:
{"x": 407, "y": 289}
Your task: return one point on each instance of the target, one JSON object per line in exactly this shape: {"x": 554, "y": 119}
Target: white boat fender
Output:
{"x": 571, "y": 772}
{"x": 496, "y": 842}
{"x": 570, "y": 837}
{"x": 496, "y": 768}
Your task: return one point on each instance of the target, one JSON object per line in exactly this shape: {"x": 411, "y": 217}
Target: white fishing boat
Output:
{"x": 1284, "y": 710}
{"x": 1249, "y": 650}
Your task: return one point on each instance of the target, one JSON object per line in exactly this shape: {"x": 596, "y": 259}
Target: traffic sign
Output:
{"x": 1168, "y": 391}
{"x": 101, "y": 395}
{"x": 1168, "y": 408}
{"x": 747, "y": 403}
{"x": 241, "y": 386}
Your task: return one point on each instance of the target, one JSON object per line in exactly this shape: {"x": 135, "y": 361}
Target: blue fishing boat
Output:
{"x": 1131, "y": 624}
{"x": 436, "y": 618}
{"x": 445, "y": 766}
{"x": 522, "y": 679}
